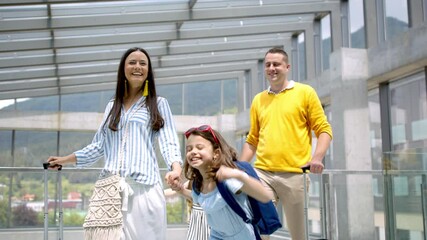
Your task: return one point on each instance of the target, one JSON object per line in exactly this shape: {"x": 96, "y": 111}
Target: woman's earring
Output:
{"x": 145, "y": 92}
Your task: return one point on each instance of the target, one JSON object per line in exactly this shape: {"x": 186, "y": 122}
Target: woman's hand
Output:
{"x": 55, "y": 162}
{"x": 173, "y": 178}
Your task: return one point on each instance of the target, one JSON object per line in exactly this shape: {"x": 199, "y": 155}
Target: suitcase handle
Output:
{"x": 305, "y": 169}
{"x": 46, "y": 165}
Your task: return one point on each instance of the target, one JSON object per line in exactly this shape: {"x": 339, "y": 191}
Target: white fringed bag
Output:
{"x": 104, "y": 219}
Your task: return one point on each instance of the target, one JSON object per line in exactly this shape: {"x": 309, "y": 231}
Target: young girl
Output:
{"x": 210, "y": 159}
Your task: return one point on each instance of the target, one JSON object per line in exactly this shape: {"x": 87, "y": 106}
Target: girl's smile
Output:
{"x": 199, "y": 152}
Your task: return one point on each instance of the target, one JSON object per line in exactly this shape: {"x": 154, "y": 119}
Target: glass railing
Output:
{"x": 343, "y": 204}
{"x": 22, "y": 199}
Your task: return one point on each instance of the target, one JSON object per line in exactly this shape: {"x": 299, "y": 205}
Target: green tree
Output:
{"x": 24, "y": 216}
{"x": 74, "y": 218}
{"x": 175, "y": 212}
{"x": 3, "y": 213}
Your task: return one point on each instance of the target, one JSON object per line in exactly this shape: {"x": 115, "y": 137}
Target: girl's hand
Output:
{"x": 176, "y": 185}
{"x": 225, "y": 172}
{"x": 173, "y": 178}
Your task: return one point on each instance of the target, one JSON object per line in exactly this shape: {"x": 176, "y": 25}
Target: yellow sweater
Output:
{"x": 282, "y": 125}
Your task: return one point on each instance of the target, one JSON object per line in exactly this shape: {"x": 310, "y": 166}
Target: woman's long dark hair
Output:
{"x": 156, "y": 119}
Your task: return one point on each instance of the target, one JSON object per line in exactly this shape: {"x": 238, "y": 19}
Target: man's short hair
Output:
{"x": 280, "y": 51}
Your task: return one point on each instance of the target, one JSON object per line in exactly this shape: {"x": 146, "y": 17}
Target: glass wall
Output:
{"x": 49, "y": 103}
{"x": 396, "y": 17}
{"x": 301, "y": 55}
{"x": 32, "y": 148}
{"x": 409, "y": 115}
{"x": 402, "y": 184}
{"x": 229, "y": 97}
{"x": 173, "y": 93}
{"x": 325, "y": 25}
{"x": 375, "y": 129}
{"x": 208, "y": 98}
{"x": 329, "y": 159}
{"x": 86, "y": 102}
{"x": 202, "y": 98}
{"x": 357, "y": 24}
{"x": 70, "y": 142}
{"x": 6, "y": 152}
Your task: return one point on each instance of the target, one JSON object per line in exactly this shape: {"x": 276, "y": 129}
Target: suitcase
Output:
{"x": 46, "y": 202}
{"x": 307, "y": 234}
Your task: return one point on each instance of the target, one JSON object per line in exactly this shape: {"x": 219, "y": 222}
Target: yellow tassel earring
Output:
{"x": 145, "y": 92}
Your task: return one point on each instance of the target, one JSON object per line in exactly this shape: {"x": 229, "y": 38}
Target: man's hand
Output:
{"x": 315, "y": 166}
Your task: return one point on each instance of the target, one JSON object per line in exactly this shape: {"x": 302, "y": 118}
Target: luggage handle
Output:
{"x": 47, "y": 165}
{"x": 304, "y": 172}
{"x": 305, "y": 169}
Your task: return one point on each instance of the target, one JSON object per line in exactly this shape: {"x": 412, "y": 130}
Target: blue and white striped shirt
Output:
{"x": 139, "y": 157}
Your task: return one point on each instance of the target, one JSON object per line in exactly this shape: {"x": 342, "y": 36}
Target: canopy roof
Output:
{"x": 50, "y": 47}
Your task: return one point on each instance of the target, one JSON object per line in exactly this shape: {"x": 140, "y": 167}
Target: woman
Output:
{"x": 133, "y": 121}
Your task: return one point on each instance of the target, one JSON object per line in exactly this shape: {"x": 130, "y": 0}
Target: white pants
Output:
{"x": 145, "y": 218}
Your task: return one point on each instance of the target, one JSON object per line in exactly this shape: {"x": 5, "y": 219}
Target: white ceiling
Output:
{"x": 63, "y": 46}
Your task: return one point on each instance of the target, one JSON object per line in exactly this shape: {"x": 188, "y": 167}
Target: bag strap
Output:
{"x": 227, "y": 195}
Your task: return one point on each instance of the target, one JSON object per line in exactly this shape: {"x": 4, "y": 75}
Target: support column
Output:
{"x": 351, "y": 194}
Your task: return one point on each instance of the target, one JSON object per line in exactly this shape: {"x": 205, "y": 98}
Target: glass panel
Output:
{"x": 328, "y": 160}
{"x": 325, "y": 25}
{"x": 409, "y": 115}
{"x": 6, "y": 157}
{"x": 86, "y": 102}
{"x": 173, "y": 93}
{"x": 396, "y": 12}
{"x": 32, "y": 148}
{"x": 357, "y": 24}
{"x": 375, "y": 129}
{"x": 70, "y": 142}
{"x": 302, "y": 74}
{"x": 347, "y": 210}
{"x": 49, "y": 103}
{"x": 22, "y": 199}
{"x": 247, "y": 89}
{"x": 202, "y": 98}
{"x": 408, "y": 207}
{"x": 230, "y": 96}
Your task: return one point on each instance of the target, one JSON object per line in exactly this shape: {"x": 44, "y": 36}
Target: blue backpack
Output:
{"x": 266, "y": 220}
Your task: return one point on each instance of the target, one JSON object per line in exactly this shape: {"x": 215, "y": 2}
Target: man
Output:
{"x": 282, "y": 121}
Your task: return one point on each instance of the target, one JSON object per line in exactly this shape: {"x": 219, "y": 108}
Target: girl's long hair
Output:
{"x": 157, "y": 121}
{"x": 227, "y": 156}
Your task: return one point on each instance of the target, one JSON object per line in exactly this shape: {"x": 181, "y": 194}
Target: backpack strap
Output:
{"x": 265, "y": 214}
{"x": 234, "y": 205}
